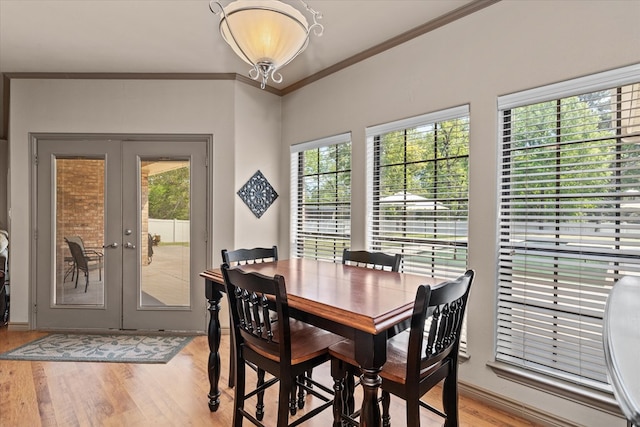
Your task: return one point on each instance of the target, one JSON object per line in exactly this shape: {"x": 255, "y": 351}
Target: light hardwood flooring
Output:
{"x": 173, "y": 394}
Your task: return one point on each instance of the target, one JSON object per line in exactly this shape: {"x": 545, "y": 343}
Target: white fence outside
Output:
{"x": 170, "y": 230}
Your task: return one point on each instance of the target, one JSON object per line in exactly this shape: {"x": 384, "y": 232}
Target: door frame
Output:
{"x": 151, "y": 137}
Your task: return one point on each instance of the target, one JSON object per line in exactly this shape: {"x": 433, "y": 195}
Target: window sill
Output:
{"x": 592, "y": 398}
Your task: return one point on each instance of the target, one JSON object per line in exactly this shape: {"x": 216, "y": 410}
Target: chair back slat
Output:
{"x": 249, "y": 256}
{"x": 433, "y": 331}
{"x": 246, "y": 312}
{"x": 375, "y": 260}
{"x": 242, "y": 319}
{"x": 441, "y": 308}
{"x": 256, "y": 306}
{"x": 266, "y": 317}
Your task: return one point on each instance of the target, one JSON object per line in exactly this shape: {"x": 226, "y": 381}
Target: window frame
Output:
{"x": 373, "y": 185}
{"x": 596, "y": 394}
{"x": 298, "y": 175}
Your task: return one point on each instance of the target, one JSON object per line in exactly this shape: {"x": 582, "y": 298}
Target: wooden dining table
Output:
{"x": 362, "y": 304}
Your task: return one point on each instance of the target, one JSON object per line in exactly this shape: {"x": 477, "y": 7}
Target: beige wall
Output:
{"x": 507, "y": 47}
{"x": 257, "y": 122}
{"x": 145, "y": 107}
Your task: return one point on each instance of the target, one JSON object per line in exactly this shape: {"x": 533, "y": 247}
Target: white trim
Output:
{"x": 526, "y": 232}
{"x": 322, "y": 142}
{"x": 369, "y": 192}
{"x": 511, "y": 406}
{"x": 293, "y": 201}
{"x": 438, "y": 116}
{"x": 587, "y": 84}
{"x": 298, "y": 236}
{"x": 19, "y": 326}
{"x": 598, "y": 400}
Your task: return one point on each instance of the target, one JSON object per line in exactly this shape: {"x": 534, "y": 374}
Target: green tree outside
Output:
{"x": 169, "y": 194}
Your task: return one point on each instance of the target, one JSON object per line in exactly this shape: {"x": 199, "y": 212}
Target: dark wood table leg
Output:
{"x": 371, "y": 355}
{"x": 213, "y": 297}
{"x": 370, "y": 414}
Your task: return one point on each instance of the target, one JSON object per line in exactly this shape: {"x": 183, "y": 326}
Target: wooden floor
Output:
{"x": 173, "y": 394}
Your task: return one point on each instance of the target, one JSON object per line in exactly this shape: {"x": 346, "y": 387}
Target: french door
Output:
{"x": 121, "y": 233}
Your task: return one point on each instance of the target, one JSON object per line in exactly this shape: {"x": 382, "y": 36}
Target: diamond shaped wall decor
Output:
{"x": 258, "y": 194}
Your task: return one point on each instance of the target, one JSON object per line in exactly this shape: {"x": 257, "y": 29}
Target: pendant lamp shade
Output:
{"x": 267, "y": 34}
{"x": 264, "y": 33}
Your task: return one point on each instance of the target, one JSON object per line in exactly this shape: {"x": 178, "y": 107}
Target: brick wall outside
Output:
{"x": 79, "y": 204}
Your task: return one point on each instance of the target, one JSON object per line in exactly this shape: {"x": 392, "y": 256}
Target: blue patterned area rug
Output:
{"x": 100, "y": 348}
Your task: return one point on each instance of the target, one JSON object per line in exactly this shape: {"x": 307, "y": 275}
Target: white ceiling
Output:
{"x": 181, "y": 36}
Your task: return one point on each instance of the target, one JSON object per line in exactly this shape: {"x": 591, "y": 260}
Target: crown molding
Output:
{"x": 141, "y": 76}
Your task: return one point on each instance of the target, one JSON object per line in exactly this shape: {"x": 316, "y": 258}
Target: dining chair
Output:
{"x": 240, "y": 257}
{"x": 377, "y": 260}
{"x": 81, "y": 259}
{"x": 150, "y": 243}
{"x": 266, "y": 336}
{"x": 90, "y": 254}
{"x": 417, "y": 360}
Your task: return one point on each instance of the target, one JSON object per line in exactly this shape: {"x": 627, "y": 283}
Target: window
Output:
{"x": 321, "y": 198}
{"x": 569, "y": 220}
{"x": 419, "y": 190}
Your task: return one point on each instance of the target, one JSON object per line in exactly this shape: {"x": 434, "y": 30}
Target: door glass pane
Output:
{"x": 79, "y": 207}
{"x": 165, "y": 227}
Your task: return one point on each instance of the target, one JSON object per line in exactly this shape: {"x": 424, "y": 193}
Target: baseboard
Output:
{"x": 18, "y": 326}
{"x": 514, "y": 407}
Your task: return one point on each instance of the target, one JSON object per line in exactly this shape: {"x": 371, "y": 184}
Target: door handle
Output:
{"x": 113, "y": 245}
{"x": 129, "y": 245}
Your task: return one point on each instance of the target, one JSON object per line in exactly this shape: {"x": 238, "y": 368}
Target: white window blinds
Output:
{"x": 321, "y": 198}
{"x": 569, "y": 220}
{"x": 418, "y": 191}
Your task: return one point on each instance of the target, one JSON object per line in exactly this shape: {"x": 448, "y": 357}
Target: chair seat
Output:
{"x": 307, "y": 342}
{"x": 395, "y": 369}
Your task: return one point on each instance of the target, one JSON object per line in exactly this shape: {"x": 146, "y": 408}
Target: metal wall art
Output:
{"x": 258, "y": 194}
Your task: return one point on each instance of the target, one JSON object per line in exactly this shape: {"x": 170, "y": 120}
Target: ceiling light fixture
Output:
{"x": 266, "y": 34}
